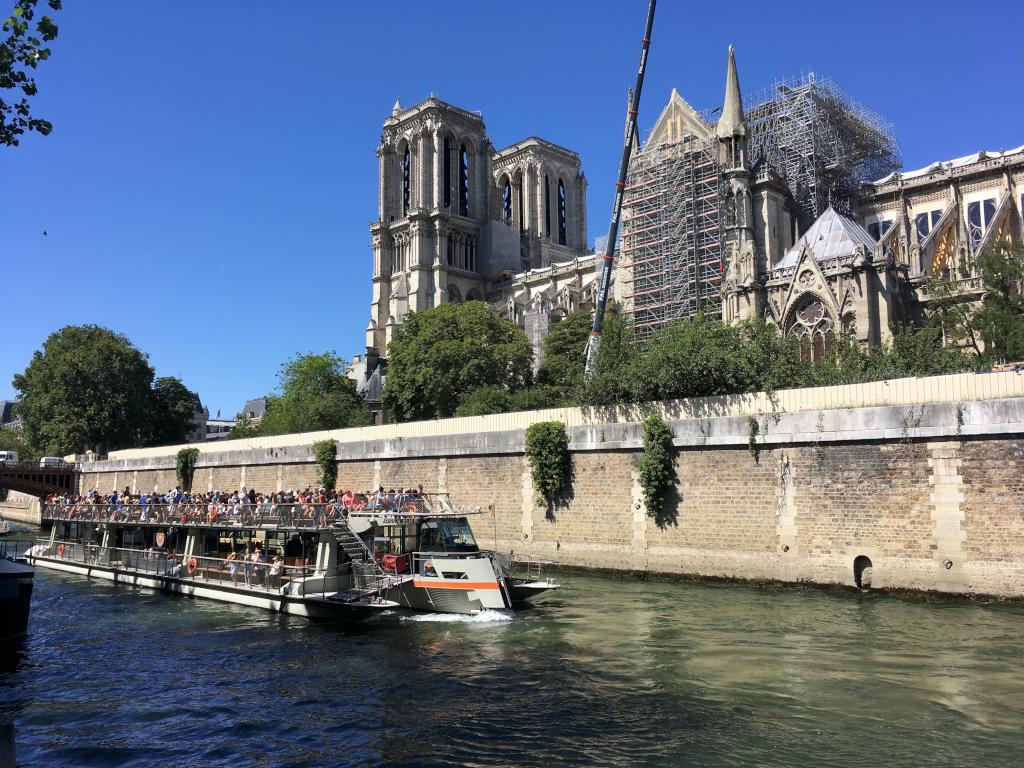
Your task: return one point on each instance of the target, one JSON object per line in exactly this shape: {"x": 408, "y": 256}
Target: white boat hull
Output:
{"x": 317, "y": 607}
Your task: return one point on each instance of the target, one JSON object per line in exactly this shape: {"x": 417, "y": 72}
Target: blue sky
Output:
{"x": 210, "y": 178}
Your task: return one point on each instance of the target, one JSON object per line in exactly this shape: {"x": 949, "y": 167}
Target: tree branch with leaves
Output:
{"x": 21, "y": 49}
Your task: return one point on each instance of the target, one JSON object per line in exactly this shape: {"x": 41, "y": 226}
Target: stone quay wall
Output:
{"x": 929, "y": 486}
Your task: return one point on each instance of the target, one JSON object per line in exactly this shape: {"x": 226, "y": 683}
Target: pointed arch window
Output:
{"x": 561, "y": 212}
{"x": 447, "y": 174}
{"x": 506, "y": 202}
{"x": 406, "y": 180}
{"x": 547, "y": 206}
{"x": 813, "y": 327}
{"x": 463, "y": 181}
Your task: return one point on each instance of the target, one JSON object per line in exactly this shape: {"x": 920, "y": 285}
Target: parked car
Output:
{"x": 51, "y": 462}
{"x": 8, "y": 457}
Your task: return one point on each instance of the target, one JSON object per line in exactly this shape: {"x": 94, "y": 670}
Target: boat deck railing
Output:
{"x": 234, "y": 572}
{"x": 244, "y": 515}
{"x": 13, "y": 548}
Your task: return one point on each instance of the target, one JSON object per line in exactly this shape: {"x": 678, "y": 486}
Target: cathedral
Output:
{"x": 793, "y": 210}
{"x": 459, "y": 220}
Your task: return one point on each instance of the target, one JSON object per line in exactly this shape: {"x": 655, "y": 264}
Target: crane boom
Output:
{"x": 594, "y": 341}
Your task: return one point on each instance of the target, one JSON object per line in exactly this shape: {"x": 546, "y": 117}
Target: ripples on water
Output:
{"x": 604, "y": 672}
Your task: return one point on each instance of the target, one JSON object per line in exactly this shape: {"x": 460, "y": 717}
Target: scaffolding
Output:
{"x": 671, "y": 243}
{"x": 821, "y": 142}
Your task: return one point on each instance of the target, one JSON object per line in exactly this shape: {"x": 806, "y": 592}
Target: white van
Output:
{"x": 8, "y": 457}
{"x": 51, "y": 462}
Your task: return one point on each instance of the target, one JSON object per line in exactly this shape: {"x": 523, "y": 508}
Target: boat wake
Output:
{"x": 488, "y": 616}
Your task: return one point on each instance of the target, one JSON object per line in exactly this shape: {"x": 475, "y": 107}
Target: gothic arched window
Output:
{"x": 463, "y": 181}
{"x": 561, "y": 212}
{"x": 406, "y": 186}
{"x": 447, "y": 174}
{"x": 547, "y": 206}
{"x": 813, "y": 327}
{"x": 506, "y": 201}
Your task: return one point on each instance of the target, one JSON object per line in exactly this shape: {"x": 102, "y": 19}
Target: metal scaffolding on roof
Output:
{"x": 821, "y": 142}
{"x": 671, "y": 244}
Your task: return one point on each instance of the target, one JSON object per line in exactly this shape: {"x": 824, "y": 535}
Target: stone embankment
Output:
{"x": 913, "y": 484}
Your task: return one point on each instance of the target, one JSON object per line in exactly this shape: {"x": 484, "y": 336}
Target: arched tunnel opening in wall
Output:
{"x": 862, "y": 572}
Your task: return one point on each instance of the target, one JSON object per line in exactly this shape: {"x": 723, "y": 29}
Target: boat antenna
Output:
{"x": 594, "y": 341}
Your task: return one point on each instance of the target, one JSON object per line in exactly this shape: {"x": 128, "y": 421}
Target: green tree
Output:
{"x": 439, "y": 355}
{"x": 315, "y": 395}
{"x": 695, "y": 357}
{"x": 173, "y": 413}
{"x": 1000, "y": 321}
{"x": 244, "y": 427}
{"x": 565, "y": 349}
{"x": 89, "y": 388}
{"x": 617, "y": 357}
{"x": 13, "y": 440}
{"x": 21, "y": 50}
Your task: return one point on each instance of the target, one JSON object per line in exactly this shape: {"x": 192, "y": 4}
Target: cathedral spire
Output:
{"x": 730, "y": 124}
{"x": 398, "y": 106}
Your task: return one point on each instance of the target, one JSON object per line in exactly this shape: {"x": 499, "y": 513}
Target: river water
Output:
{"x": 604, "y": 672}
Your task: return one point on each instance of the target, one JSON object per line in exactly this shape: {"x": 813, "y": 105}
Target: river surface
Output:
{"x": 605, "y": 672}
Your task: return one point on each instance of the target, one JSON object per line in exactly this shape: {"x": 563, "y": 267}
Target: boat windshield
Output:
{"x": 453, "y": 535}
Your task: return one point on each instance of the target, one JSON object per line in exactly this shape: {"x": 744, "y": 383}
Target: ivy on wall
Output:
{"x": 185, "y": 467}
{"x": 657, "y": 467}
{"x": 325, "y": 453}
{"x": 547, "y": 448}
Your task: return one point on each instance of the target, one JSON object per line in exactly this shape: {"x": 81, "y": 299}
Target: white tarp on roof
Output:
{"x": 958, "y": 162}
{"x": 830, "y": 236}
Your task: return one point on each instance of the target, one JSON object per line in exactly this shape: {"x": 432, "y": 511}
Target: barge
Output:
{"x": 321, "y": 561}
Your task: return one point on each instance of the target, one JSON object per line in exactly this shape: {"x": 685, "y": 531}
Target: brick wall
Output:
{"x": 929, "y": 514}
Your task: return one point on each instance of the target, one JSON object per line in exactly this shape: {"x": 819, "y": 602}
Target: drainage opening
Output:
{"x": 862, "y": 572}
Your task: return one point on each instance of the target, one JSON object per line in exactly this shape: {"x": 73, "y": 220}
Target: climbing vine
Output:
{"x": 547, "y": 448}
{"x": 657, "y": 466}
{"x": 753, "y": 430}
{"x": 325, "y": 453}
{"x": 185, "y": 467}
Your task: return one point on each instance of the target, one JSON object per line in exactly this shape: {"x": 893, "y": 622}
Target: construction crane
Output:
{"x": 594, "y": 341}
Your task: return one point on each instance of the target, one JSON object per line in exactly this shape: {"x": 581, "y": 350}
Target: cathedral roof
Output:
{"x": 957, "y": 162}
{"x": 830, "y": 236}
{"x": 677, "y": 119}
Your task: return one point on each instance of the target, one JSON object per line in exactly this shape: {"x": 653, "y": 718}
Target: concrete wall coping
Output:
{"x": 960, "y": 420}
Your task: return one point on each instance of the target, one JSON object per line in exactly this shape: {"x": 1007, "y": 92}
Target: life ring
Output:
{"x": 428, "y": 569}
{"x": 192, "y": 565}
{"x": 60, "y": 551}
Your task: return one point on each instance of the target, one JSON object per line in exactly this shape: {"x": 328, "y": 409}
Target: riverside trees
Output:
{"x": 445, "y": 354}
{"x": 91, "y": 388}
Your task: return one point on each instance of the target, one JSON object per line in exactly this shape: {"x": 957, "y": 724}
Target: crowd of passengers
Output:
{"x": 313, "y": 507}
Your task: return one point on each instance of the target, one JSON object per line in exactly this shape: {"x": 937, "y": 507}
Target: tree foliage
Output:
{"x": 1000, "y": 320}
{"x": 185, "y": 467}
{"x": 315, "y": 395}
{"x": 89, "y": 388}
{"x": 14, "y": 440}
{"x": 547, "y": 448}
{"x": 244, "y": 427}
{"x": 173, "y": 412}
{"x": 439, "y": 355}
{"x": 22, "y": 47}
{"x": 325, "y": 453}
{"x": 657, "y": 465}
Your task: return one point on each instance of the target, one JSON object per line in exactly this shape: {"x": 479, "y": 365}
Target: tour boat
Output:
{"x": 15, "y": 590}
{"x": 321, "y": 561}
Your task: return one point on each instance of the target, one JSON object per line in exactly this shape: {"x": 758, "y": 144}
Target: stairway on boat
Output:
{"x": 369, "y": 580}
